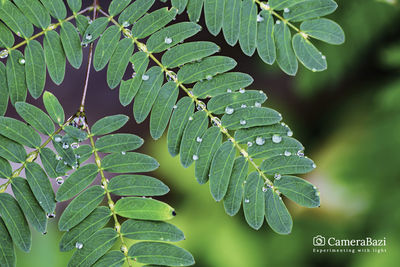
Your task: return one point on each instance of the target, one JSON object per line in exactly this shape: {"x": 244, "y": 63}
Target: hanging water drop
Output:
{"x": 50, "y": 215}
{"x": 77, "y": 156}
{"x": 287, "y": 153}
{"x": 57, "y": 139}
{"x": 243, "y": 122}
{"x": 289, "y": 133}
{"x": 59, "y": 180}
{"x": 88, "y": 36}
{"x": 74, "y": 145}
{"x": 199, "y": 139}
{"x": 195, "y": 157}
{"x": 201, "y": 105}
{"x": 260, "y": 141}
{"x": 168, "y": 40}
{"x": 125, "y": 24}
{"x": 276, "y": 138}
{"x": 242, "y": 90}
{"x": 21, "y": 61}
{"x": 277, "y": 176}
{"x": 117, "y": 227}
{"x": 229, "y": 110}
{"x": 243, "y": 106}
{"x": 286, "y": 10}
{"x": 249, "y": 144}
{"x": 257, "y": 105}
{"x": 145, "y": 77}
{"x": 78, "y": 245}
{"x": 246, "y": 200}
{"x": 65, "y": 146}
{"x": 259, "y": 18}
{"x": 4, "y": 53}
{"x": 19, "y": 34}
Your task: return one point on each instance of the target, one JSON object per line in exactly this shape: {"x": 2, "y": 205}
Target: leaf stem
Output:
{"x": 111, "y": 203}
{"x": 213, "y": 118}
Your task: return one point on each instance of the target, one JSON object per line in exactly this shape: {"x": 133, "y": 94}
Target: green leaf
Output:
{"x": 83, "y": 153}
{"x": 49, "y": 161}
{"x": 324, "y": 29}
{"x": 67, "y": 155}
{"x": 129, "y": 162}
{"x": 231, "y": 21}
{"x": 284, "y": 52}
{"x": 106, "y": 46}
{"x": 308, "y": 54}
{"x": 75, "y": 133}
{"x": 72, "y": 44}
{"x": 134, "y": 11}
{"x": 228, "y": 101}
{"x": 310, "y": 9}
{"x": 95, "y": 247}
{"x": 19, "y": 132}
{"x": 298, "y": 190}
{"x": 95, "y": 29}
{"x": 128, "y": 89}
{"x": 144, "y": 209}
{"x": 137, "y": 185}
{"x": 205, "y": 69}
{"x": 3, "y": 89}
{"x": 82, "y": 22}
{"x": 140, "y": 61}
{"x": 118, "y": 143}
{"x": 180, "y": 5}
{"x": 7, "y": 255}
{"x": 80, "y": 233}
{"x": 117, "y": 6}
{"x": 34, "y": 12}
{"x": 276, "y": 213}
{"x": 265, "y": 38}
{"x": 15, "y": 20}
{"x": 180, "y": 117}
{"x": 234, "y": 195}
{"x": 195, "y": 128}
{"x": 194, "y": 8}
{"x": 282, "y": 4}
{"x": 16, "y": 77}
{"x": 109, "y": 124}
{"x": 55, "y": 57}
{"x": 188, "y": 52}
{"x": 162, "y": 109}
{"x": 152, "y": 22}
{"x": 80, "y": 207}
{"x": 35, "y": 117}
{"x": 228, "y": 82}
{"x": 75, "y": 5}
{"x": 254, "y": 200}
{"x": 160, "y": 253}
{"x": 5, "y": 168}
{"x": 6, "y": 36}
{"x": 27, "y": 201}
{"x": 11, "y": 150}
{"x": 221, "y": 169}
{"x": 248, "y": 27}
{"x": 111, "y": 259}
{"x": 250, "y": 117}
{"x": 148, "y": 230}
{"x": 147, "y": 94}
{"x": 213, "y": 10}
{"x": 15, "y": 222}
{"x": 40, "y": 186}
{"x": 210, "y": 142}
{"x": 56, "y": 8}
{"x": 244, "y": 136}
{"x": 171, "y": 35}
{"x": 119, "y": 61}
{"x": 78, "y": 181}
{"x": 268, "y": 148}
{"x": 35, "y": 67}
{"x": 287, "y": 165}
{"x": 53, "y": 108}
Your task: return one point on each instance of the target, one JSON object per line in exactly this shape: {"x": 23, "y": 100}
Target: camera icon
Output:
{"x": 319, "y": 241}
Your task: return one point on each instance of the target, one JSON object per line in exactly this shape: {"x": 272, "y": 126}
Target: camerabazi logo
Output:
{"x": 320, "y": 241}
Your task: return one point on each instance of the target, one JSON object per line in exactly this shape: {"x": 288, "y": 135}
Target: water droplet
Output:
{"x": 216, "y": 121}
{"x": 259, "y": 18}
{"x": 228, "y": 90}
{"x": 314, "y": 187}
{"x": 287, "y": 153}
{"x": 117, "y": 228}
{"x": 168, "y": 40}
{"x": 74, "y": 145}
{"x": 78, "y": 245}
{"x": 123, "y": 153}
{"x": 317, "y": 194}
{"x": 195, "y": 157}
{"x": 21, "y": 61}
{"x": 175, "y": 107}
{"x": 133, "y": 74}
{"x": 323, "y": 57}
{"x": 246, "y": 200}
{"x": 125, "y": 24}
{"x": 243, "y": 106}
{"x": 4, "y": 53}
{"x": 199, "y": 139}
{"x": 264, "y": 189}
{"x": 209, "y": 77}
{"x": 260, "y": 141}
{"x": 145, "y": 77}
{"x": 243, "y": 122}
{"x": 201, "y": 105}
{"x": 229, "y": 110}
{"x": 77, "y": 156}
{"x": 50, "y": 215}
{"x": 286, "y": 10}
{"x": 65, "y": 146}
{"x": 88, "y": 36}
{"x": 57, "y": 139}
{"x": 314, "y": 69}
{"x": 124, "y": 249}
{"x": 278, "y": 22}
{"x": 190, "y": 118}
{"x": 65, "y": 163}
{"x": 84, "y": 44}
{"x": 300, "y": 153}
{"x": 59, "y": 180}
{"x": 276, "y": 138}
{"x": 257, "y": 105}
{"x": 127, "y": 33}
{"x": 44, "y": 233}
{"x": 289, "y": 133}
{"x": 265, "y": 6}
{"x": 249, "y": 144}
{"x": 58, "y": 157}
{"x": 242, "y": 90}
{"x": 277, "y": 176}
{"x": 314, "y": 165}
{"x": 19, "y": 34}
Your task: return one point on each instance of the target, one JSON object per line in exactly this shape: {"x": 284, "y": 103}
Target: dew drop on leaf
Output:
{"x": 276, "y": 138}
{"x": 243, "y": 122}
{"x": 4, "y": 53}
{"x": 168, "y": 40}
{"x": 145, "y": 77}
{"x": 78, "y": 245}
{"x": 229, "y": 110}
{"x": 260, "y": 141}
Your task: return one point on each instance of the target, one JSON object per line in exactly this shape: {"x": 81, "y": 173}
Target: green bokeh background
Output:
{"x": 348, "y": 118}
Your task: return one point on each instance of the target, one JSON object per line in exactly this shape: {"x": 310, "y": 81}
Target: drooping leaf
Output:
{"x": 118, "y": 62}
{"x": 7, "y": 252}
{"x": 250, "y": 117}
{"x": 324, "y": 29}
{"x": 72, "y": 44}
{"x": 109, "y": 124}
{"x": 55, "y": 56}
{"x": 11, "y": 150}
{"x": 15, "y": 222}
{"x": 35, "y": 117}
{"x": 148, "y": 230}
{"x": 129, "y": 162}
{"x": 152, "y": 22}
{"x": 137, "y": 185}
{"x": 15, "y": 77}
{"x": 118, "y": 143}
{"x": 276, "y": 213}
{"x": 254, "y": 200}
{"x": 308, "y": 54}
{"x": 106, "y": 46}
{"x": 284, "y": 52}
{"x": 144, "y": 209}
{"x": 35, "y": 68}
{"x": 80, "y": 207}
